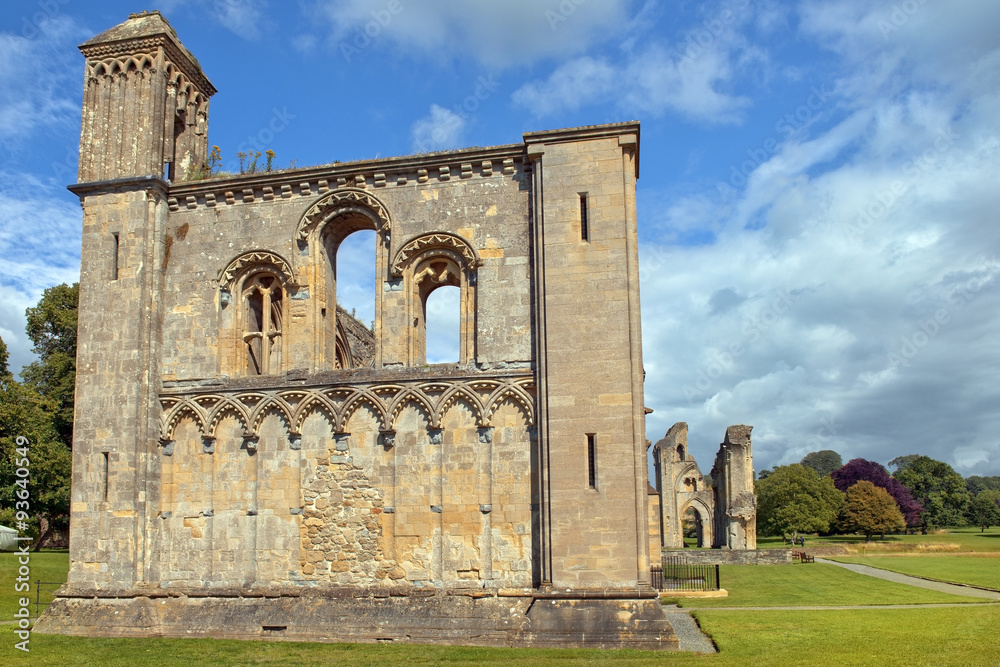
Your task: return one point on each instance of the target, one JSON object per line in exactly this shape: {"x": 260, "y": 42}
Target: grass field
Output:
{"x": 920, "y": 636}
{"x": 811, "y": 584}
{"x": 45, "y": 566}
{"x": 948, "y": 636}
{"x": 974, "y": 569}
{"x": 948, "y": 540}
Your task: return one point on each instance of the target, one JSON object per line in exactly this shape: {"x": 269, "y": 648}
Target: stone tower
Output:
{"x": 735, "y": 502}
{"x": 251, "y": 461}
{"x": 682, "y": 488}
{"x": 145, "y": 105}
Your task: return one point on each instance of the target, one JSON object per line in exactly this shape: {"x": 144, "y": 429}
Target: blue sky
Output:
{"x": 818, "y": 196}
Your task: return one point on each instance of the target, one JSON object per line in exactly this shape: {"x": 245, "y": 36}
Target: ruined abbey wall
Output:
{"x": 239, "y": 434}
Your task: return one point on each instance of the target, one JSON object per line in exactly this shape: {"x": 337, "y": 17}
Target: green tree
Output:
{"x": 824, "y": 461}
{"x": 984, "y": 510}
{"x": 902, "y": 462}
{"x": 28, "y": 417}
{"x": 977, "y": 484}
{"x": 794, "y": 499}
{"x": 52, "y": 328}
{"x": 870, "y": 509}
{"x": 937, "y": 486}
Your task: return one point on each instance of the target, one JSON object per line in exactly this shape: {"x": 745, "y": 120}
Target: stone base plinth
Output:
{"x": 472, "y": 617}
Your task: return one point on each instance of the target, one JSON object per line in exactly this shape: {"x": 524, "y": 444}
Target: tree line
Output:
{"x": 821, "y": 494}
{"x": 39, "y": 408}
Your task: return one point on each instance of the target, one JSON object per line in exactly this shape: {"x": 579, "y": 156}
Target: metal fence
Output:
{"x": 678, "y": 575}
{"x": 39, "y": 586}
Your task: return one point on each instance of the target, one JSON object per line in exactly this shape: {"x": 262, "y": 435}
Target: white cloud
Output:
{"x": 36, "y": 73}
{"x": 691, "y": 78}
{"x": 848, "y": 296}
{"x": 40, "y": 246}
{"x": 497, "y": 34}
{"x": 244, "y": 17}
{"x": 439, "y": 130}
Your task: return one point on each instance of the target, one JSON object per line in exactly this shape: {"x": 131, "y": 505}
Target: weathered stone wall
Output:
{"x": 682, "y": 487}
{"x": 589, "y": 357}
{"x": 733, "y": 556}
{"x": 733, "y": 484}
{"x": 225, "y": 444}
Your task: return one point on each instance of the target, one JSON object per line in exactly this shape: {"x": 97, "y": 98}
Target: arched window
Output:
{"x": 442, "y": 318}
{"x": 426, "y": 264}
{"x": 680, "y": 452}
{"x": 262, "y": 317}
{"x": 254, "y": 292}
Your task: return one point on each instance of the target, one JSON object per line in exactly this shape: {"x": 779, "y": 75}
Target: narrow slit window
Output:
{"x": 592, "y": 460}
{"x": 106, "y": 470}
{"x": 584, "y": 230}
{"x": 115, "y": 251}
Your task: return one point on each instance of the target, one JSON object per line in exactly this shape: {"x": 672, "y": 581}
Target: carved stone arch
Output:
{"x": 517, "y": 395}
{"x": 256, "y": 260}
{"x": 443, "y": 243}
{"x": 406, "y": 396}
{"x": 452, "y": 396}
{"x": 310, "y": 405}
{"x": 425, "y": 264}
{"x": 174, "y": 416}
{"x": 267, "y": 404}
{"x": 338, "y": 203}
{"x": 707, "y": 520}
{"x": 369, "y": 399}
{"x": 220, "y": 410}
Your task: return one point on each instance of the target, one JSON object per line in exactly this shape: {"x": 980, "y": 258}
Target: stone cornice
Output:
{"x": 370, "y": 175}
{"x": 119, "y": 185}
{"x": 148, "y": 44}
{"x": 627, "y": 134}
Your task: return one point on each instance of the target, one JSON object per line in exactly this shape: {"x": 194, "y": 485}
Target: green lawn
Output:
{"x": 975, "y": 569}
{"x": 811, "y": 584}
{"x": 949, "y": 636}
{"x": 952, "y": 539}
{"x": 45, "y": 566}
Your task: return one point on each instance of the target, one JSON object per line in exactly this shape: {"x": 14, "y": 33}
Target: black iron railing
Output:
{"x": 676, "y": 574}
{"x": 49, "y": 585}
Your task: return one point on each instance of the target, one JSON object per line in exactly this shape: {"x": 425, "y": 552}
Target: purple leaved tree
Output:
{"x": 857, "y": 470}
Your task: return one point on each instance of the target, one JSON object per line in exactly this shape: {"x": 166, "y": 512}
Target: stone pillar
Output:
{"x": 735, "y": 502}
{"x": 593, "y": 459}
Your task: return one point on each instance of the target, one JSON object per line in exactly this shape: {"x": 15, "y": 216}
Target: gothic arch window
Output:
{"x": 262, "y": 315}
{"x": 344, "y": 339}
{"x": 254, "y": 292}
{"x": 427, "y": 263}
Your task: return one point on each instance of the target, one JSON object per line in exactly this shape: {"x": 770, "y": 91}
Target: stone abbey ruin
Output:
{"x": 251, "y": 461}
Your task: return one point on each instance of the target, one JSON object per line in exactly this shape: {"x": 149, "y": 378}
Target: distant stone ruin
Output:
{"x": 723, "y": 508}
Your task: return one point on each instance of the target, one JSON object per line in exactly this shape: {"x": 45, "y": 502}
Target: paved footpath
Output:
{"x": 690, "y": 635}
{"x": 954, "y": 589}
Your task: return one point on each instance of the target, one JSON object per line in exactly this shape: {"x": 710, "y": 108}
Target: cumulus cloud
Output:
{"x": 847, "y": 297}
{"x": 693, "y": 75}
{"x": 242, "y": 17}
{"x": 439, "y": 130}
{"x": 36, "y": 74}
{"x": 40, "y": 246}
{"x": 497, "y": 34}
